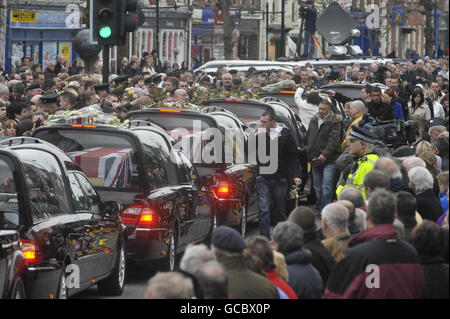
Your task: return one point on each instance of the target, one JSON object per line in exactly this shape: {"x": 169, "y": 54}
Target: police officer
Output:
{"x": 361, "y": 145}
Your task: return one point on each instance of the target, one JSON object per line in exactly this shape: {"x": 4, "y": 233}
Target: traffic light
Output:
{"x": 112, "y": 19}
{"x": 105, "y": 21}
{"x": 128, "y": 10}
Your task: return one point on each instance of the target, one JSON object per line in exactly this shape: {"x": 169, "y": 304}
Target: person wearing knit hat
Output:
{"x": 230, "y": 250}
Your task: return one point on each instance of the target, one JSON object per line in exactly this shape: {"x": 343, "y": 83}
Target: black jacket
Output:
{"x": 303, "y": 277}
{"x": 321, "y": 257}
{"x": 381, "y": 111}
{"x": 288, "y": 165}
{"x": 428, "y": 205}
{"x": 435, "y": 272}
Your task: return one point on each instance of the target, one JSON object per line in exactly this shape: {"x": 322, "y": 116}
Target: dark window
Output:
{"x": 44, "y": 183}
{"x": 92, "y": 196}
{"x": 79, "y": 198}
{"x": 8, "y": 193}
{"x": 107, "y": 159}
{"x": 161, "y": 171}
{"x": 183, "y": 171}
{"x": 172, "y": 121}
{"x": 192, "y": 172}
{"x": 245, "y": 112}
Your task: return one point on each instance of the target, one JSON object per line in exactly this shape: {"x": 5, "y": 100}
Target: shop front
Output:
{"x": 40, "y": 34}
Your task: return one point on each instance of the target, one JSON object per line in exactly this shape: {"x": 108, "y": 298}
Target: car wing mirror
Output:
{"x": 9, "y": 220}
{"x": 112, "y": 207}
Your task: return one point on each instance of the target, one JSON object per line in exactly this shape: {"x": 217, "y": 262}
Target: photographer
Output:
{"x": 309, "y": 13}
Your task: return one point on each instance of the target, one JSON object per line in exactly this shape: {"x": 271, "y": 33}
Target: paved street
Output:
{"x": 137, "y": 278}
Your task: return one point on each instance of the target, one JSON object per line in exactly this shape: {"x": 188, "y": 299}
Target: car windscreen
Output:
{"x": 288, "y": 98}
{"x": 108, "y": 159}
{"x": 8, "y": 191}
{"x": 172, "y": 121}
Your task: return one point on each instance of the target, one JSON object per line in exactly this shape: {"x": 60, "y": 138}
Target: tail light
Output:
{"x": 31, "y": 251}
{"x": 222, "y": 189}
{"x": 142, "y": 216}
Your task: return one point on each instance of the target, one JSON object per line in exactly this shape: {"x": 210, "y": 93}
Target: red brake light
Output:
{"x": 139, "y": 215}
{"x": 30, "y": 251}
{"x": 222, "y": 189}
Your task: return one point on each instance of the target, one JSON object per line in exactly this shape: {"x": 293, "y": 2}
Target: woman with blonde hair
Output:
{"x": 422, "y": 147}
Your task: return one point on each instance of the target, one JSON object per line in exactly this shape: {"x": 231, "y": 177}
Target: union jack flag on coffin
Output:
{"x": 105, "y": 167}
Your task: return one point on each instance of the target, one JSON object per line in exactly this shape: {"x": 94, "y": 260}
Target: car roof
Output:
{"x": 244, "y": 65}
{"x": 19, "y": 143}
{"x": 184, "y": 112}
{"x": 344, "y": 61}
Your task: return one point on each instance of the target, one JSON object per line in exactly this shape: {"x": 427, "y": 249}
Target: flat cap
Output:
{"x": 359, "y": 133}
{"x": 403, "y": 151}
{"x": 33, "y": 86}
{"x": 228, "y": 239}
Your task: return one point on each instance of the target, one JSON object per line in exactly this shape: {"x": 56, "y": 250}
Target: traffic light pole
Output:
{"x": 105, "y": 70}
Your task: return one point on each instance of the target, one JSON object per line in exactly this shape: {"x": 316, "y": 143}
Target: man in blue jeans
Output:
{"x": 324, "y": 145}
{"x": 271, "y": 184}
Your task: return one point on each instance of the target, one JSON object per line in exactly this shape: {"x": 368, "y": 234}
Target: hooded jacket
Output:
{"x": 378, "y": 265}
{"x": 303, "y": 277}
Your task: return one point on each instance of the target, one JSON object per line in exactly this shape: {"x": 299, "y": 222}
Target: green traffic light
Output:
{"x": 105, "y": 32}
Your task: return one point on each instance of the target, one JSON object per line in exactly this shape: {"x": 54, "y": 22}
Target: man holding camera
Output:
{"x": 309, "y": 13}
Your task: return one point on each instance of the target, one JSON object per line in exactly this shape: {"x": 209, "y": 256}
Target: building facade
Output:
{"x": 41, "y": 30}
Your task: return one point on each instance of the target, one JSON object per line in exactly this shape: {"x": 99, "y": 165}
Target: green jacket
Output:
{"x": 243, "y": 283}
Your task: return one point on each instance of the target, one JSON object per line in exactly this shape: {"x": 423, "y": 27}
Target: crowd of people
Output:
{"x": 376, "y": 205}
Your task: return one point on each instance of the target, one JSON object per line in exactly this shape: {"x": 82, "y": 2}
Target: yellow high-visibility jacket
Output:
{"x": 356, "y": 178}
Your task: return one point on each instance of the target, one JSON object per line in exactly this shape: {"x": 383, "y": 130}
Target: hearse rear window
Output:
{"x": 173, "y": 121}
{"x": 107, "y": 159}
{"x": 246, "y": 112}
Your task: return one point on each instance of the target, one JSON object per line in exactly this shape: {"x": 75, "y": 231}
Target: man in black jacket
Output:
{"x": 271, "y": 184}
{"x": 321, "y": 258}
{"x": 377, "y": 109}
